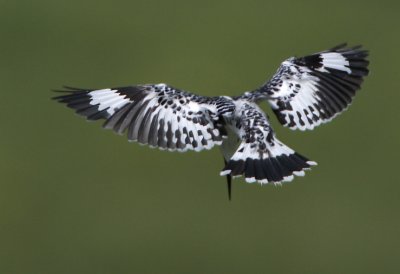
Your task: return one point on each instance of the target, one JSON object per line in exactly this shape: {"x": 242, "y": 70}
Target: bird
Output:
{"x": 304, "y": 93}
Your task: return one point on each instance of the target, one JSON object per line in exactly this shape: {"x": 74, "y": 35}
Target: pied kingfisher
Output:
{"x": 304, "y": 93}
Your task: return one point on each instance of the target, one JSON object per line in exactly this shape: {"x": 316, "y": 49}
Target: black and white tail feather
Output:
{"x": 304, "y": 93}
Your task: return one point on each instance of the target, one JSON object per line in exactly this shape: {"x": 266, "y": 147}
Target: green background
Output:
{"x": 75, "y": 198}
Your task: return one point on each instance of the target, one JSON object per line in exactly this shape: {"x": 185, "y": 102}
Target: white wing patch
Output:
{"x": 108, "y": 99}
{"x": 334, "y": 60}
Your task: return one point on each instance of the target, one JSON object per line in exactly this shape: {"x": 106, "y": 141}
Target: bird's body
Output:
{"x": 304, "y": 93}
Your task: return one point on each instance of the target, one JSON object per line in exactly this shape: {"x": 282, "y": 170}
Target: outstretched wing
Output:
{"x": 308, "y": 91}
{"x": 157, "y": 115}
{"x": 261, "y": 157}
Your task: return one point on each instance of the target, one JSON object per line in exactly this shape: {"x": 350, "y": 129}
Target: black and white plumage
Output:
{"x": 304, "y": 93}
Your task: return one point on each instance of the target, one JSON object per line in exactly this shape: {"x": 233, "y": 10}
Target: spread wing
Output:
{"x": 157, "y": 115}
{"x": 308, "y": 91}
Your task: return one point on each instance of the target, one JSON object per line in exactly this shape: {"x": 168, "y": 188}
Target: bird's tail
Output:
{"x": 277, "y": 164}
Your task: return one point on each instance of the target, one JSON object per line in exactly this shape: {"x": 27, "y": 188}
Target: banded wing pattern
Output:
{"x": 156, "y": 115}
{"x": 308, "y": 91}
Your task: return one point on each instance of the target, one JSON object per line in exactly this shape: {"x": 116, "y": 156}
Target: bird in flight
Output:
{"x": 304, "y": 93}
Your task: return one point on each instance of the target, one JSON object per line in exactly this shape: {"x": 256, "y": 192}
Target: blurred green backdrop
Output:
{"x": 78, "y": 199}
